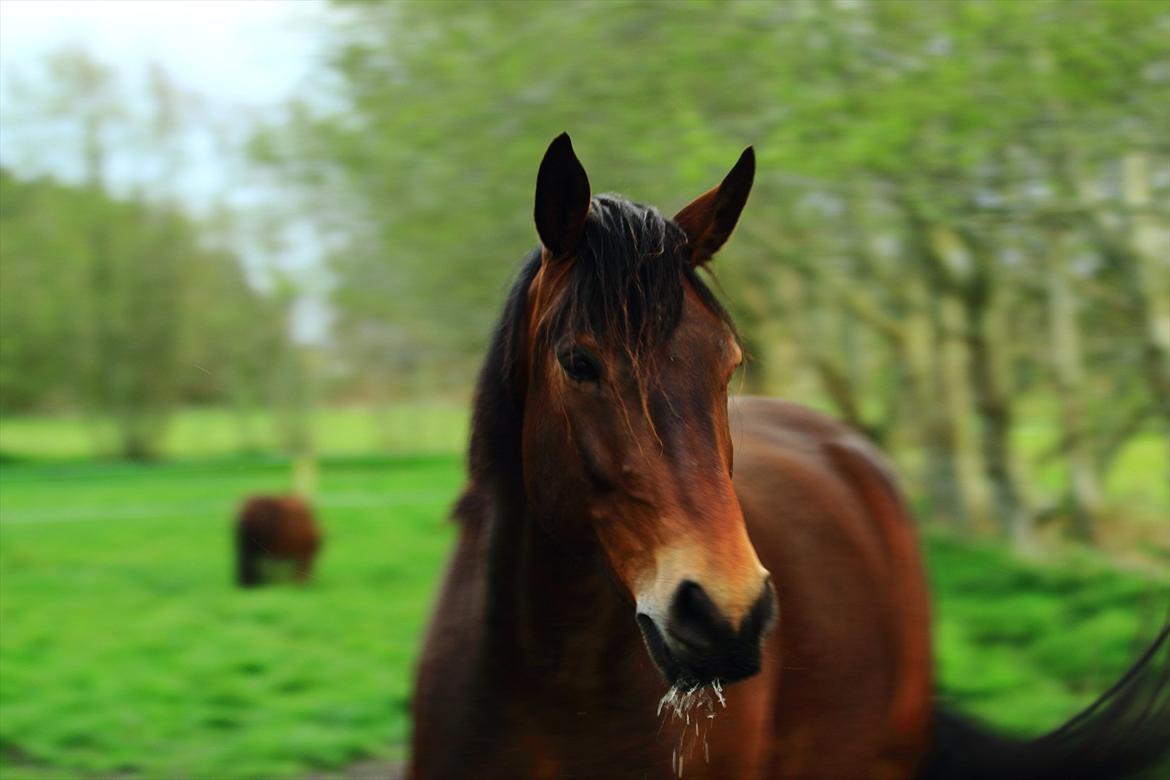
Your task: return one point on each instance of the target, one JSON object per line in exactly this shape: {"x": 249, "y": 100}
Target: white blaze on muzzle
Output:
{"x": 690, "y": 560}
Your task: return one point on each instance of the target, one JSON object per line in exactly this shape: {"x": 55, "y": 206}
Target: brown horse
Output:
{"x": 275, "y": 530}
{"x": 613, "y": 570}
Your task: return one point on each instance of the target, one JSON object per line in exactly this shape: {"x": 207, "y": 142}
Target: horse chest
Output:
{"x": 513, "y": 724}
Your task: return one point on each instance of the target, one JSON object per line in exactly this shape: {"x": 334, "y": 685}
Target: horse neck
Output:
{"x": 553, "y": 608}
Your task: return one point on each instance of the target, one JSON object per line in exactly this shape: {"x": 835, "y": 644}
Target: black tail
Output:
{"x": 247, "y": 559}
{"x": 1124, "y": 734}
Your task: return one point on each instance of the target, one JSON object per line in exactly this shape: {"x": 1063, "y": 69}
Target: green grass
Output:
{"x": 405, "y": 428}
{"x": 1024, "y": 645}
{"x": 126, "y": 652}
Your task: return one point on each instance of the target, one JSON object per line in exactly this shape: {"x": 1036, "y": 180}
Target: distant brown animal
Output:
{"x": 275, "y": 529}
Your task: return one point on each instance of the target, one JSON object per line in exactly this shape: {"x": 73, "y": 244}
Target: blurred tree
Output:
{"x": 174, "y": 315}
{"x": 115, "y": 300}
{"x": 932, "y": 178}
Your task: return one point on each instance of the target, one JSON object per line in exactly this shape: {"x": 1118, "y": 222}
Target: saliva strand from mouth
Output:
{"x": 687, "y": 701}
{"x": 684, "y": 698}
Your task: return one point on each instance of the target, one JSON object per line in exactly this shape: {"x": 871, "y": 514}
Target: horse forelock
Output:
{"x": 624, "y": 287}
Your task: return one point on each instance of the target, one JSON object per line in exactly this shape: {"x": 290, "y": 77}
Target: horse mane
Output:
{"x": 624, "y": 287}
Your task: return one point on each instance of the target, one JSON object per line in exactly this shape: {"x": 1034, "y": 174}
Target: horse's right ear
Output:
{"x": 562, "y": 198}
{"x": 709, "y": 219}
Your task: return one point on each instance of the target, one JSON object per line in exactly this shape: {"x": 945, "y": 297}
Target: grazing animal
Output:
{"x": 630, "y": 542}
{"x": 274, "y": 530}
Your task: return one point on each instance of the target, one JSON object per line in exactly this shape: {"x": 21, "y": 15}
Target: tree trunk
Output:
{"x": 942, "y": 485}
{"x": 1148, "y": 278}
{"x": 1084, "y": 489}
{"x": 961, "y": 264}
{"x": 995, "y": 423}
{"x": 817, "y": 324}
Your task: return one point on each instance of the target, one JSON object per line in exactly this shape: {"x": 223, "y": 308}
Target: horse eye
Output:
{"x": 579, "y": 365}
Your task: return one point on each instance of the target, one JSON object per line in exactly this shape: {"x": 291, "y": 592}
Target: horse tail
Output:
{"x": 1124, "y": 734}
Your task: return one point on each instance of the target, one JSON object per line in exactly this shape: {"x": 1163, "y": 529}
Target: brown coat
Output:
{"x": 275, "y": 528}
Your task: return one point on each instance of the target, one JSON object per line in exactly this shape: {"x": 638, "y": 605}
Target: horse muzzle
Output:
{"x": 696, "y": 644}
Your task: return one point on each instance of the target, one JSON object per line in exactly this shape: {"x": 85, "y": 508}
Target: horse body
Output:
{"x": 275, "y": 529}
{"x": 534, "y": 667}
{"x": 628, "y": 533}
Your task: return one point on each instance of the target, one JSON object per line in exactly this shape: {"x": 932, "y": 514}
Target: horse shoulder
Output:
{"x": 827, "y": 519}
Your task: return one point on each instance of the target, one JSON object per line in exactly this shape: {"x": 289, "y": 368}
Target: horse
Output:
{"x": 651, "y": 580}
{"x": 275, "y": 530}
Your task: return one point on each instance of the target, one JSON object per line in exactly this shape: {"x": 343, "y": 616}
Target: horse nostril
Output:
{"x": 762, "y": 616}
{"x": 695, "y": 621}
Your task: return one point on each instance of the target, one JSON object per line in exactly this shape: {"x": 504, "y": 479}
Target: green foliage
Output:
{"x": 1024, "y": 643}
{"x": 40, "y": 316}
{"x": 119, "y": 308}
{"x": 918, "y": 163}
{"x": 127, "y": 651}
{"x": 443, "y": 109}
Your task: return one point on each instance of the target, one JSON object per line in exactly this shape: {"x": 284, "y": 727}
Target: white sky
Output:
{"x": 244, "y": 59}
{"x": 250, "y": 51}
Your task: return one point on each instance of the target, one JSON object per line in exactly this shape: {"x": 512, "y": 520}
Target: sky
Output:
{"x": 248, "y": 51}
{"x": 245, "y": 58}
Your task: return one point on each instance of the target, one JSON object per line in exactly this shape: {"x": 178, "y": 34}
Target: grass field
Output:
{"x": 408, "y": 429}
{"x": 125, "y": 652}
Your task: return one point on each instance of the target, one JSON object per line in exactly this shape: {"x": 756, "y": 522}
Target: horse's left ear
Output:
{"x": 562, "y": 198}
{"x": 709, "y": 219}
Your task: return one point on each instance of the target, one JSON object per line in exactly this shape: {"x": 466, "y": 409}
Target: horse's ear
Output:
{"x": 709, "y": 219}
{"x": 562, "y": 197}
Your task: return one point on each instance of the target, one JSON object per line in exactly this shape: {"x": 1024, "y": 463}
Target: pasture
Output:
{"x": 126, "y": 651}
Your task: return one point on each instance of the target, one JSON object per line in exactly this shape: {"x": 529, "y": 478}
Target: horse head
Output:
{"x": 625, "y": 439}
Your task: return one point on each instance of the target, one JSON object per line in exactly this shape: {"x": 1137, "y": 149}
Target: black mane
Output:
{"x": 625, "y": 287}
